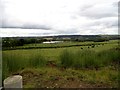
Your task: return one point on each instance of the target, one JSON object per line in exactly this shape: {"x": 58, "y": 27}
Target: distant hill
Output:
{"x": 72, "y": 37}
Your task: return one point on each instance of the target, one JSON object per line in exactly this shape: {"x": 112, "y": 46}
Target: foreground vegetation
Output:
{"x": 90, "y": 65}
{"x": 49, "y": 77}
{"x": 89, "y": 58}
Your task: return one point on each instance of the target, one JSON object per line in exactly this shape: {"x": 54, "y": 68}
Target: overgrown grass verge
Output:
{"x": 13, "y": 64}
{"x": 54, "y": 78}
{"x": 15, "y": 61}
{"x": 90, "y": 58}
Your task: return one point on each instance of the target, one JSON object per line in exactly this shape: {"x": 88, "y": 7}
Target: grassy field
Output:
{"x": 86, "y": 64}
{"x": 58, "y": 45}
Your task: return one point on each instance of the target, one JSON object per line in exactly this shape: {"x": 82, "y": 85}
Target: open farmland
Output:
{"x": 66, "y": 64}
{"x": 59, "y": 45}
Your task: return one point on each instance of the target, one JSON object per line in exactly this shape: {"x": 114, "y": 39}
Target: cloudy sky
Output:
{"x": 57, "y": 17}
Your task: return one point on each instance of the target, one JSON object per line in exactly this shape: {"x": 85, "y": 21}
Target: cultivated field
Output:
{"x": 65, "y": 64}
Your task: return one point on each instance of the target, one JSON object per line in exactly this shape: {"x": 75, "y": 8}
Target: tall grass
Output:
{"x": 80, "y": 59}
{"x": 67, "y": 58}
{"x": 37, "y": 61}
{"x": 89, "y": 58}
{"x": 109, "y": 56}
{"x": 85, "y": 58}
{"x": 13, "y": 62}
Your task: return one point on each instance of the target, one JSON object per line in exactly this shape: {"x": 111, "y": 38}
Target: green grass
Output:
{"x": 59, "y": 45}
{"x": 89, "y": 58}
{"x": 70, "y": 57}
{"x": 68, "y": 43}
{"x": 48, "y": 77}
{"x": 14, "y": 62}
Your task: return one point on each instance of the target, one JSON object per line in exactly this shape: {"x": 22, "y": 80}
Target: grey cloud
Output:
{"x": 1, "y": 12}
{"x": 96, "y": 13}
{"x": 119, "y": 9}
{"x": 99, "y": 11}
{"x": 74, "y": 17}
{"x": 110, "y": 25}
{"x": 25, "y": 26}
{"x": 36, "y": 26}
{"x": 85, "y": 7}
{"x": 106, "y": 24}
{"x": 36, "y": 33}
{"x": 98, "y": 26}
{"x": 68, "y": 31}
{"x": 6, "y": 24}
{"x": 97, "y": 31}
{"x": 115, "y": 4}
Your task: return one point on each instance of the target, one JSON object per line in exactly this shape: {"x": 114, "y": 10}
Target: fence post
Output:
{"x": 13, "y": 82}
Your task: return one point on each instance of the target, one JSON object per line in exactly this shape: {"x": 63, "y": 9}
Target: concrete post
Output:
{"x": 0, "y": 61}
{"x": 13, "y": 82}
